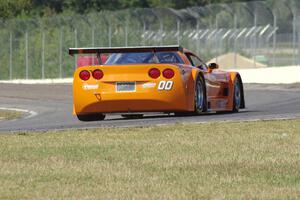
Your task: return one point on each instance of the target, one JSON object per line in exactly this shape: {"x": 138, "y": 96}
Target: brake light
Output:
{"x": 84, "y": 75}
{"x": 154, "y": 73}
{"x": 168, "y": 73}
{"x": 97, "y": 74}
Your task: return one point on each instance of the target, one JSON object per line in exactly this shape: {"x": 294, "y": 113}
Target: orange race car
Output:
{"x": 167, "y": 79}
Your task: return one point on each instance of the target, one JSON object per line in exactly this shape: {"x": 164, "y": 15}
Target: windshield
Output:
{"x": 148, "y": 57}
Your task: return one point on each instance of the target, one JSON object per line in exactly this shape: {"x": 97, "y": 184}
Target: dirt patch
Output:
{"x": 9, "y": 114}
{"x": 227, "y": 61}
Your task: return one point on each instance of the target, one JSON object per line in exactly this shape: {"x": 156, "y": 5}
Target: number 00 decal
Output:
{"x": 165, "y": 85}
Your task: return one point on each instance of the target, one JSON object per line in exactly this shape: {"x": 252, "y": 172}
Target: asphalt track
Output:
{"x": 51, "y": 108}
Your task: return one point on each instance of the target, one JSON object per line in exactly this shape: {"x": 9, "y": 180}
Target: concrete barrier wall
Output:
{"x": 271, "y": 75}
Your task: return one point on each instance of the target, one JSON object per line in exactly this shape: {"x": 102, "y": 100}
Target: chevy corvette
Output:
{"x": 168, "y": 79}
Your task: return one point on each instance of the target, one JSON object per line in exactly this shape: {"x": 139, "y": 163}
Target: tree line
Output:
{"x": 29, "y": 8}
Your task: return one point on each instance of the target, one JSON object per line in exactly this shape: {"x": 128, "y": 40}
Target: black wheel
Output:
{"x": 237, "y": 95}
{"x": 200, "y": 96}
{"x": 132, "y": 116}
{"x": 91, "y": 117}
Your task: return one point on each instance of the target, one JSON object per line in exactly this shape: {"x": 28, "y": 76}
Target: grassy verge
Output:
{"x": 9, "y": 115}
{"x": 243, "y": 160}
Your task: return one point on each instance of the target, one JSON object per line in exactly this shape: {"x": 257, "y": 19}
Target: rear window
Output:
{"x": 148, "y": 57}
{"x": 90, "y": 60}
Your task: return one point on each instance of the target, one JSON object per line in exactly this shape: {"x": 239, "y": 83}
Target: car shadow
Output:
{"x": 162, "y": 115}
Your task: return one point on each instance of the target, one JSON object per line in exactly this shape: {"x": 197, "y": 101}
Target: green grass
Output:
{"x": 242, "y": 160}
{"x": 9, "y": 115}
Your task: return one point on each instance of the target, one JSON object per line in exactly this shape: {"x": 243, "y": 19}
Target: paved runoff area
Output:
{"x": 272, "y": 92}
{"x": 49, "y": 107}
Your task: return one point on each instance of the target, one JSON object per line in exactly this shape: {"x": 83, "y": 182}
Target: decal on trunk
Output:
{"x": 149, "y": 85}
{"x": 165, "y": 85}
{"x": 90, "y": 87}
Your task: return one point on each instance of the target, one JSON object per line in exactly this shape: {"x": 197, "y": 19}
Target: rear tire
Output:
{"x": 200, "y": 96}
{"x": 200, "y": 100}
{"x": 91, "y": 117}
{"x": 237, "y": 95}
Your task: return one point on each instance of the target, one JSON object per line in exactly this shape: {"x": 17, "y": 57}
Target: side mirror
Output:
{"x": 212, "y": 66}
{"x": 202, "y": 66}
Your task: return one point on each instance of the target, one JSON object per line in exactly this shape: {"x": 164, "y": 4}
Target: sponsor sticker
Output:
{"x": 149, "y": 85}
{"x": 90, "y": 87}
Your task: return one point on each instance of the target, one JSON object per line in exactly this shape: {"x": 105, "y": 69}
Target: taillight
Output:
{"x": 168, "y": 73}
{"x": 84, "y": 75}
{"x": 154, "y": 73}
{"x": 97, "y": 74}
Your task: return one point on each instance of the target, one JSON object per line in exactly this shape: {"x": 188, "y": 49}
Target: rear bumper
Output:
{"x": 124, "y": 106}
{"x": 150, "y": 101}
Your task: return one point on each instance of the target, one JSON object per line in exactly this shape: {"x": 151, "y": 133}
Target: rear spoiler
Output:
{"x": 100, "y": 50}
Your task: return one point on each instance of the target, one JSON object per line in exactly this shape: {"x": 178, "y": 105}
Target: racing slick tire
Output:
{"x": 237, "y": 95}
{"x": 200, "y": 100}
{"x": 200, "y": 96}
{"x": 91, "y": 117}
